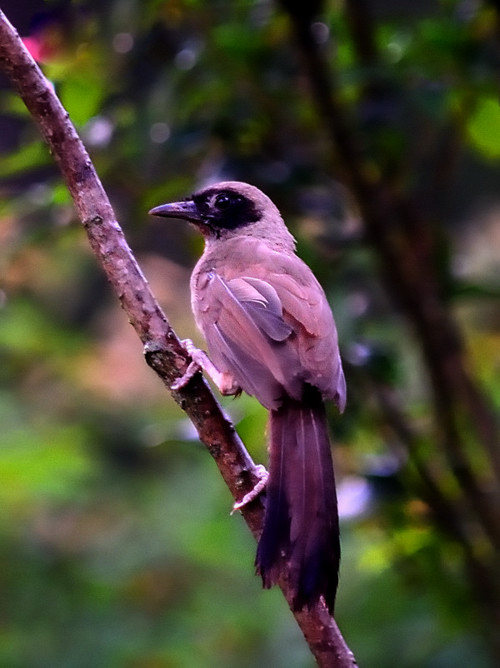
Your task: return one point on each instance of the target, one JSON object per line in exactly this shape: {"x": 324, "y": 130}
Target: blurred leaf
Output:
{"x": 484, "y": 127}
{"x": 42, "y": 462}
{"x": 30, "y": 156}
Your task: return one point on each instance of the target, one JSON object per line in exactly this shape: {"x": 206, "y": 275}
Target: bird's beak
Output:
{"x": 186, "y": 210}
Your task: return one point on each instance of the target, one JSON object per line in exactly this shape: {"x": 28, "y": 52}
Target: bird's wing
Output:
{"x": 261, "y": 302}
{"x": 307, "y": 310}
{"x": 272, "y": 330}
{"x": 247, "y": 336}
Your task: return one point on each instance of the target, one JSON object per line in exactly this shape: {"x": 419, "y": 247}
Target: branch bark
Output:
{"x": 162, "y": 348}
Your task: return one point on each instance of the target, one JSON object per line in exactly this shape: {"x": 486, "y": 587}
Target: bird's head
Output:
{"x": 228, "y": 209}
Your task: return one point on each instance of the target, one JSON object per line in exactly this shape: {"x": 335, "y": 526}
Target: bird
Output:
{"x": 270, "y": 332}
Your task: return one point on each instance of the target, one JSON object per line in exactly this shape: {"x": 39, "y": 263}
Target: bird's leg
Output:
{"x": 227, "y": 386}
{"x": 201, "y": 361}
{"x": 263, "y": 476}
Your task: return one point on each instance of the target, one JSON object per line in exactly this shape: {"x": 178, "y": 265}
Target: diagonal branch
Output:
{"x": 163, "y": 350}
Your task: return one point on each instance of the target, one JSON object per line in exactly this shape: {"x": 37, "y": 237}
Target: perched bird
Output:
{"x": 270, "y": 332}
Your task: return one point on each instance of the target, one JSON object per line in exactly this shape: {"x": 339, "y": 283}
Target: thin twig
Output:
{"x": 162, "y": 348}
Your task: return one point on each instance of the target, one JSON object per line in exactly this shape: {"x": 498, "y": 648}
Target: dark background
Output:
{"x": 377, "y": 133}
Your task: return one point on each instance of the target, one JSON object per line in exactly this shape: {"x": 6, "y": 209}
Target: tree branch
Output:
{"x": 163, "y": 350}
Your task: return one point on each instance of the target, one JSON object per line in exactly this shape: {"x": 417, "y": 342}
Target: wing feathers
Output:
{"x": 278, "y": 318}
{"x": 248, "y": 341}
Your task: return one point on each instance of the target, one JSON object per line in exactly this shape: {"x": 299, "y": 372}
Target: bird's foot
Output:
{"x": 183, "y": 380}
{"x": 261, "y": 473}
{"x": 193, "y": 367}
{"x": 201, "y": 361}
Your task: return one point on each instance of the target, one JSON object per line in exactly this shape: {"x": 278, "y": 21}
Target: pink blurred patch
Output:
{"x": 35, "y": 47}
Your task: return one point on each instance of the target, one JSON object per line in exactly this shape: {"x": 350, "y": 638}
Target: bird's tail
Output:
{"x": 301, "y": 529}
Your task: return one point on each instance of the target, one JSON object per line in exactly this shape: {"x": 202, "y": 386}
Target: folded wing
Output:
{"x": 273, "y": 334}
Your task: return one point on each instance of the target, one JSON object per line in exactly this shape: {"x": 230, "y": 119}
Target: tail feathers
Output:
{"x": 301, "y": 532}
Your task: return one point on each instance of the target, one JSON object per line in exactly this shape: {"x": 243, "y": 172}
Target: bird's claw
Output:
{"x": 262, "y": 474}
{"x": 183, "y": 380}
{"x": 194, "y": 366}
{"x": 191, "y": 349}
{"x": 200, "y": 361}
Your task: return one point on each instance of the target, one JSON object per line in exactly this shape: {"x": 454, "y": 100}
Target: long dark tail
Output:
{"x": 301, "y": 528}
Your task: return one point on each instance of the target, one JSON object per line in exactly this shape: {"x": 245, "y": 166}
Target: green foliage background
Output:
{"x": 116, "y": 546}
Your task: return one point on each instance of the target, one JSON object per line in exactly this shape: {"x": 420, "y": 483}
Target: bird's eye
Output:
{"x": 223, "y": 202}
